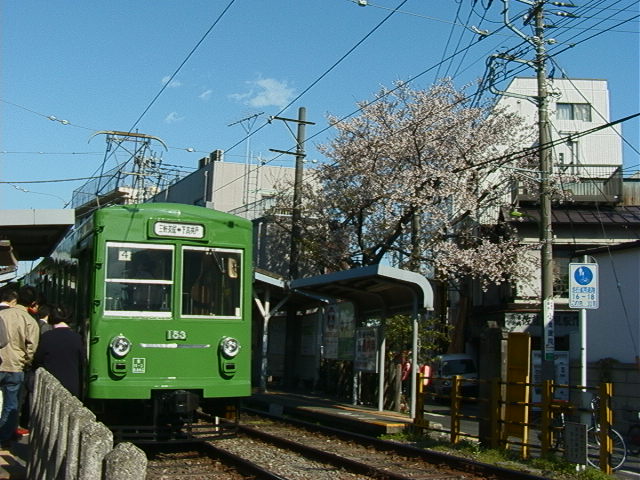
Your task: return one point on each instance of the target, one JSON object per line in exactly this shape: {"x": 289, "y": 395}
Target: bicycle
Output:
{"x": 633, "y": 437}
{"x": 619, "y": 450}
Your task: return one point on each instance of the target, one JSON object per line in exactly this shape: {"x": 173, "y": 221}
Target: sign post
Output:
{"x": 583, "y": 285}
{"x": 583, "y": 294}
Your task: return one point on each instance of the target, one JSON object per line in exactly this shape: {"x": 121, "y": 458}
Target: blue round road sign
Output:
{"x": 583, "y": 275}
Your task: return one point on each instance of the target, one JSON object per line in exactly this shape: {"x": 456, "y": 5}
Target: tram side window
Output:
{"x": 139, "y": 278}
{"x": 211, "y": 283}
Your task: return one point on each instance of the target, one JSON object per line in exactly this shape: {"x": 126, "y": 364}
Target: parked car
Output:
{"x": 449, "y": 365}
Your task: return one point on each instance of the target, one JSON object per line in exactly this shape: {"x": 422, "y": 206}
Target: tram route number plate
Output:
{"x": 176, "y": 335}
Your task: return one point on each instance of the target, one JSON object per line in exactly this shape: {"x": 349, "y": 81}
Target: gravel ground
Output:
{"x": 289, "y": 464}
{"x": 385, "y": 460}
{"x": 283, "y": 462}
{"x": 188, "y": 465}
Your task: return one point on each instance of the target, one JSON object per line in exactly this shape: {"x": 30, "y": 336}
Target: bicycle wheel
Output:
{"x": 633, "y": 436}
{"x": 618, "y": 455}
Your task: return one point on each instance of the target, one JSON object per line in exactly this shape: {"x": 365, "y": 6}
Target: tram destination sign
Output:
{"x": 178, "y": 230}
{"x": 583, "y": 285}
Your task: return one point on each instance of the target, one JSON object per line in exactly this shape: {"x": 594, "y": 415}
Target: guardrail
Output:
{"x": 504, "y": 422}
{"x": 67, "y": 442}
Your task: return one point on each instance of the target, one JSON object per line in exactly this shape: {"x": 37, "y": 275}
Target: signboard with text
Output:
{"x": 583, "y": 285}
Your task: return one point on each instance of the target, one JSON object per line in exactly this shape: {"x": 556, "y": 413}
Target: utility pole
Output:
{"x": 546, "y": 231}
{"x": 538, "y": 41}
{"x": 296, "y": 212}
{"x": 292, "y": 326}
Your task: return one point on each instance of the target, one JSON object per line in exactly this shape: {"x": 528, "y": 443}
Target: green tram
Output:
{"x": 162, "y": 295}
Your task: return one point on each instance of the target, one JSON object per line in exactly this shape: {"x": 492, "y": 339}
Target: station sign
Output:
{"x": 583, "y": 285}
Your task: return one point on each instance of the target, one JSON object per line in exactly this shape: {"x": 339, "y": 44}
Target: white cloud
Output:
{"x": 206, "y": 95}
{"x": 173, "y": 117}
{"x": 266, "y": 92}
{"x": 173, "y": 84}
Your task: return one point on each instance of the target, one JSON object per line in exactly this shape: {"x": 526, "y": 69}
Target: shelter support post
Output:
{"x": 382, "y": 366}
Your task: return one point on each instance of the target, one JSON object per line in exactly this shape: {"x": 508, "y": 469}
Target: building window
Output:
{"x": 573, "y": 111}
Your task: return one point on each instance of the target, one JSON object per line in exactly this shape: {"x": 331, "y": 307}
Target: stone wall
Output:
{"x": 67, "y": 442}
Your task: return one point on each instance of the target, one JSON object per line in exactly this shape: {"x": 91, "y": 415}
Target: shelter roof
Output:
{"x": 373, "y": 289}
{"x": 32, "y": 234}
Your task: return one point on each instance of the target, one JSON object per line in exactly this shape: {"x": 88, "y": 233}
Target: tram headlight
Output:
{"x": 229, "y": 347}
{"x": 120, "y": 346}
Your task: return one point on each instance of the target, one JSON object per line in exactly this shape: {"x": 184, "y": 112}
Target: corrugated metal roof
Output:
{"x": 623, "y": 215}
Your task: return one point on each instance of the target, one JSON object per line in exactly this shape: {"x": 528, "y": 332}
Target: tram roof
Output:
{"x": 31, "y": 234}
{"x": 373, "y": 289}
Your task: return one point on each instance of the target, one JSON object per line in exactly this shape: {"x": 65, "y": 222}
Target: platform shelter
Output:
{"x": 375, "y": 290}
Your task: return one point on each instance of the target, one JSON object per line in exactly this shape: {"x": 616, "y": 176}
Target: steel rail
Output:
{"x": 463, "y": 464}
{"x": 244, "y": 466}
{"x": 337, "y": 460}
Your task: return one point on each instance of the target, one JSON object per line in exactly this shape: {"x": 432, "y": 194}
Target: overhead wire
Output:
{"x": 324, "y": 74}
{"x": 173, "y": 75}
{"x": 585, "y": 175}
{"x": 594, "y": 108}
{"x": 460, "y": 37}
{"x": 518, "y": 68}
{"x": 446, "y": 45}
{"x": 551, "y": 52}
{"x": 307, "y": 89}
{"x": 65, "y": 122}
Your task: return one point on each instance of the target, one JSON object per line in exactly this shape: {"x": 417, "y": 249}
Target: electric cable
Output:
{"x": 173, "y": 75}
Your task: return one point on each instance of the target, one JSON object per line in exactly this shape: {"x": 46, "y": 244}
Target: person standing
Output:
{"x": 8, "y": 298}
{"x": 23, "y": 334}
{"x": 44, "y": 311}
{"x": 41, "y": 313}
{"x": 61, "y": 352}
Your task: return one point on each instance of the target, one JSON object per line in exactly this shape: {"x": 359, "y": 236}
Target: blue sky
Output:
{"x": 106, "y": 65}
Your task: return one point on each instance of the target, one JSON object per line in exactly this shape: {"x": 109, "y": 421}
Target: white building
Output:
{"x": 575, "y": 105}
{"x": 596, "y": 216}
{"x": 241, "y": 188}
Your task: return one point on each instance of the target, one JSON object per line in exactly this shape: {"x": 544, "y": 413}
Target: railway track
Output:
{"x": 202, "y": 461}
{"x": 396, "y": 460}
{"x": 285, "y": 449}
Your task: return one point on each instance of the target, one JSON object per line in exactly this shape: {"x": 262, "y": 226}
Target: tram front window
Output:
{"x": 139, "y": 278}
{"x": 211, "y": 283}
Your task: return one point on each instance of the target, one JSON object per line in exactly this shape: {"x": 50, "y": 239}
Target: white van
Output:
{"x": 451, "y": 364}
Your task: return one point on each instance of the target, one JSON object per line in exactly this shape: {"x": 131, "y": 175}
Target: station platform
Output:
{"x": 13, "y": 462}
{"x": 366, "y": 420}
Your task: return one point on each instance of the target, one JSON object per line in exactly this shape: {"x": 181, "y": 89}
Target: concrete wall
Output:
{"x": 226, "y": 186}
{"x": 614, "y": 328}
{"x": 67, "y": 442}
{"x": 626, "y": 388}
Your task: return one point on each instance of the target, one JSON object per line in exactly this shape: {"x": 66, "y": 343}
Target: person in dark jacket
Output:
{"x": 61, "y": 352}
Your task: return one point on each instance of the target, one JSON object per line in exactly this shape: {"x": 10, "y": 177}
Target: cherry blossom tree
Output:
{"x": 417, "y": 177}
